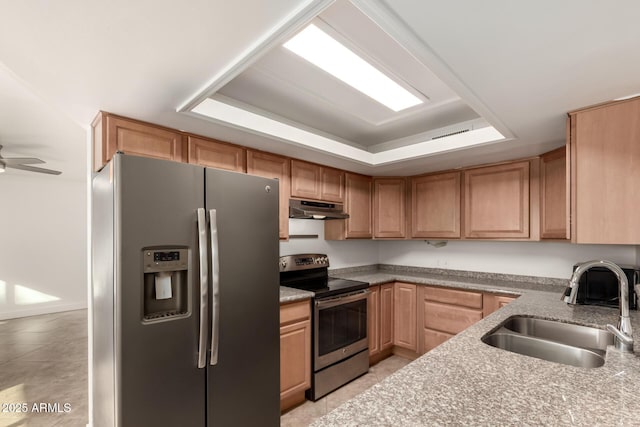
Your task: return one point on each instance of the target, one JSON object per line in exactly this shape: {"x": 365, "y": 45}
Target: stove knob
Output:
{"x": 283, "y": 264}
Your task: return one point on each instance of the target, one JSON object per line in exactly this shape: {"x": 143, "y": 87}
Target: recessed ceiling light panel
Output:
{"x": 323, "y": 51}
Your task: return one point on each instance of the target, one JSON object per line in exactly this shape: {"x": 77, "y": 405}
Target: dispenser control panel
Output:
{"x": 165, "y": 259}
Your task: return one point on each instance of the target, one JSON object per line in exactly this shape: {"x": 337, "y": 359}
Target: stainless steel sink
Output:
{"x": 574, "y": 345}
{"x": 565, "y": 333}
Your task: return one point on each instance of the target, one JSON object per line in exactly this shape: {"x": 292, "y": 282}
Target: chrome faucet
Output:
{"x": 623, "y": 332}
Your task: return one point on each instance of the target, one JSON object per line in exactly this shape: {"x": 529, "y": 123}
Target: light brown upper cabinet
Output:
{"x": 216, "y": 154}
{"x": 332, "y": 185}
{"x": 113, "y": 133}
{"x": 272, "y": 166}
{"x": 357, "y": 203}
{"x": 554, "y": 195}
{"x": 605, "y": 173}
{"x": 496, "y": 201}
{"x": 315, "y": 182}
{"x": 389, "y": 202}
{"x": 435, "y": 206}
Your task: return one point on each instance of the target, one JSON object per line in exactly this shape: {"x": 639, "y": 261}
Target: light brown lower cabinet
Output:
{"x": 380, "y": 321}
{"x": 386, "y": 316}
{"x": 493, "y": 302}
{"x": 404, "y": 316}
{"x": 295, "y": 352}
{"x": 444, "y": 312}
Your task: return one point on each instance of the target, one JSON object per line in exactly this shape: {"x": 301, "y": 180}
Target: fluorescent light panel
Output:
{"x": 325, "y": 52}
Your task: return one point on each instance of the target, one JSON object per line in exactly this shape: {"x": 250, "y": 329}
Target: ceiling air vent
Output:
{"x": 444, "y": 135}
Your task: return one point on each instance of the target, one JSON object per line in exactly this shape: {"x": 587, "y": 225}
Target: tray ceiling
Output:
{"x": 285, "y": 89}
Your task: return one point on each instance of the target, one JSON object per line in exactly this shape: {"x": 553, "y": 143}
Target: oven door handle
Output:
{"x": 344, "y": 299}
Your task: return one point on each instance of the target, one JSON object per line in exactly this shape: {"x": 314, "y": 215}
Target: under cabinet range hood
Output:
{"x": 306, "y": 209}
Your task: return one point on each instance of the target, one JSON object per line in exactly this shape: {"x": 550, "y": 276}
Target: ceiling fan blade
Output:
{"x": 21, "y": 161}
{"x": 33, "y": 169}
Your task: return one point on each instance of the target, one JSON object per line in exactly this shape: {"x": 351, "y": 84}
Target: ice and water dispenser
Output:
{"x": 166, "y": 290}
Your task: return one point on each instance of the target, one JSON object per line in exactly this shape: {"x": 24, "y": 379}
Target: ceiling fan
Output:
{"x": 22, "y": 162}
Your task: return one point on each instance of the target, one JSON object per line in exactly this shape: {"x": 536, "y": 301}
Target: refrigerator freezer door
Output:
{"x": 243, "y": 388}
{"x": 159, "y": 383}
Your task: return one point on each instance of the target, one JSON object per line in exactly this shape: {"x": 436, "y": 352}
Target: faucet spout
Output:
{"x": 623, "y": 332}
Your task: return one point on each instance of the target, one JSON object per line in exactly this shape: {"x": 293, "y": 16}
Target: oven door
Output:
{"x": 340, "y": 328}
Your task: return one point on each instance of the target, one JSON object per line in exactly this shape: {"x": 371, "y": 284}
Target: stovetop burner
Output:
{"x": 310, "y": 273}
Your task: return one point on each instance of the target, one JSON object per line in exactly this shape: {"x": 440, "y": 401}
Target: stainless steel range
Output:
{"x": 340, "y": 343}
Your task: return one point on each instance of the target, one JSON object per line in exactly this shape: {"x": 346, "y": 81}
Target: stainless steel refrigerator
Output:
{"x": 185, "y": 291}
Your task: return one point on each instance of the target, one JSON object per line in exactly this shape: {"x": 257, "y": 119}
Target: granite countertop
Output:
{"x": 467, "y": 382}
{"x": 292, "y": 295}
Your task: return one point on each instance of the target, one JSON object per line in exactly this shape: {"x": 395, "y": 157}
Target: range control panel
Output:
{"x": 303, "y": 262}
{"x": 165, "y": 259}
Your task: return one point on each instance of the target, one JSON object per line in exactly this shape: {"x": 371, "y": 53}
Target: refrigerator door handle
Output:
{"x": 204, "y": 297}
{"x": 215, "y": 286}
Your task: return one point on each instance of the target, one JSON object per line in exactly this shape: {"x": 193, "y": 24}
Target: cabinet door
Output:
{"x": 605, "y": 158}
{"x": 496, "y": 201}
{"x": 295, "y": 358}
{"x": 332, "y": 185}
{"x": 373, "y": 320}
{"x": 271, "y": 166}
{"x": 386, "y": 316}
{"x": 305, "y": 180}
{"x": 357, "y": 204}
{"x": 389, "y": 203}
{"x": 405, "y": 320}
{"x": 216, "y": 154}
{"x": 435, "y": 206}
{"x": 295, "y": 352}
{"x": 554, "y": 195}
{"x": 142, "y": 139}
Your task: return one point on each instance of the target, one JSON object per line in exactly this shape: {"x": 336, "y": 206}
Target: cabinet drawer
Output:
{"x": 447, "y": 318}
{"x": 451, "y": 296}
{"x": 294, "y": 312}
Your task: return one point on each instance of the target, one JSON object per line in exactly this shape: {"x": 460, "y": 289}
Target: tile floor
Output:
{"x": 306, "y": 413}
{"x": 43, "y": 359}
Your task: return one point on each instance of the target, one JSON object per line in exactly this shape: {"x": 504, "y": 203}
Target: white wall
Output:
{"x": 341, "y": 254}
{"x": 43, "y": 261}
{"x": 546, "y": 259}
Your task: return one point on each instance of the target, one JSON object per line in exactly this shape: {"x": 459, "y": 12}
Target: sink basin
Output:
{"x": 565, "y": 343}
{"x": 565, "y": 333}
{"x": 546, "y": 350}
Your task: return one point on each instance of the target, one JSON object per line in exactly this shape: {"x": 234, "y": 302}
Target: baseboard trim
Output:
{"x": 48, "y": 309}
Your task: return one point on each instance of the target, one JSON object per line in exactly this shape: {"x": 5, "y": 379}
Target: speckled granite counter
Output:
{"x": 291, "y": 294}
{"x": 467, "y": 382}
